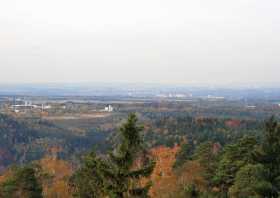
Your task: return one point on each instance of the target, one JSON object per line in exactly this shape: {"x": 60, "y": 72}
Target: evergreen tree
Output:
{"x": 269, "y": 155}
{"x": 118, "y": 174}
{"x": 234, "y": 157}
{"x": 184, "y": 154}
{"x": 250, "y": 182}
{"x": 207, "y": 159}
{"x": 22, "y": 183}
{"x": 86, "y": 183}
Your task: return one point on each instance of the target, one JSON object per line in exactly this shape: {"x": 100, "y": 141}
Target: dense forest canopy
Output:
{"x": 245, "y": 166}
{"x": 176, "y": 153}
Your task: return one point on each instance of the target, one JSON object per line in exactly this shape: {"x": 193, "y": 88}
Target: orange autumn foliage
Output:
{"x": 55, "y": 177}
{"x": 166, "y": 181}
{"x": 163, "y": 176}
{"x": 190, "y": 173}
{"x": 4, "y": 176}
{"x": 59, "y": 171}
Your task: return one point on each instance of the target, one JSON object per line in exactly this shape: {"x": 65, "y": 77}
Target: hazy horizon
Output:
{"x": 168, "y": 42}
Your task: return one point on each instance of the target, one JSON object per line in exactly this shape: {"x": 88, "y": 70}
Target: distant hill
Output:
{"x": 134, "y": 90}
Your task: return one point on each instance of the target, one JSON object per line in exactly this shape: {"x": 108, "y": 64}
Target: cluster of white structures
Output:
{"x": 178, "y": 95}
{"x": 29, "y": 105}
{"x": 109, "y": 108}
{"x": 215, "y": 97}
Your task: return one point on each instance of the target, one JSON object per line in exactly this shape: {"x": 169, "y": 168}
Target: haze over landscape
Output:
{"x": 139, "y": 99}
{"x": 159, "y": 41}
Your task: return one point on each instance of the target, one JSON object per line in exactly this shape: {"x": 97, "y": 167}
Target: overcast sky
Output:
{"x": 159, "y": 41}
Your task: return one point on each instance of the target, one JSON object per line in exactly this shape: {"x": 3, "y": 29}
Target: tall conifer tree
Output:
{"x": 118, "y": 175}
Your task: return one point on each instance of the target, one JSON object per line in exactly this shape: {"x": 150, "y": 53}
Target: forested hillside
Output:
{"x": 23, "y": 141}
{"x": 166, "y": 156}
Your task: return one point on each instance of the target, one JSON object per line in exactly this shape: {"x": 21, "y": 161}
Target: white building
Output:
{"x": 109, "y": 108}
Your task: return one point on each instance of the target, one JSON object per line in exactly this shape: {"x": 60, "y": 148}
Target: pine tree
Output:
{"x": 23, "y": 183}
{"x": 234, "y": 157}
{"x": 207, "y": 159}
{"x": 250, "y": 182}
{"x": 184, "y": 154}
{"x": 269, "y": 155}
{"x": 117, "y": 175}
